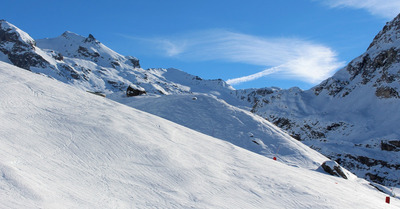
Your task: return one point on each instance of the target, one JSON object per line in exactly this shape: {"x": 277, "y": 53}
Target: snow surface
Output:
{"x": 212, "y": 116}
{"x": 61, "y": 147}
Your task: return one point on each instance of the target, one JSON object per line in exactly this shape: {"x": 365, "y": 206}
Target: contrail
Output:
{"x": 255, "y": 76}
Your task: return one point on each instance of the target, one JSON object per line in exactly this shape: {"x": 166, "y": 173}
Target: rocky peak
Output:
{"x": 91, "y": 39}
{"x": 10, "y": 33}
{"x": 19, "y": 47}
{"x": 389, "y": 35}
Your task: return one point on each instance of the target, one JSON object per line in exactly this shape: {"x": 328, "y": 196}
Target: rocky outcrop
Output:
{"x": 334, "y": 169}
{"x": 386, "y": 92}
{"x": 391, "y": 146}
{"x": 134, "y": 61}
{"x": 131, "y": 92}
{"x": 19, "y": 47}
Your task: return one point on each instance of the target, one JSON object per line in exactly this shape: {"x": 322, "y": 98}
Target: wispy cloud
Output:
{"x": 383, "y": 8}
{"x": 284, "y": 57}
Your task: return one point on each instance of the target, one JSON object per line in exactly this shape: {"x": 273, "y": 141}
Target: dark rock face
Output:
{"x": 334, "y": 169}
{"x": 283, "y": 123}
{"x": 90, "y": 39}
{"x": 86, "y": 53}
{"x": 375, "y": 170}
{"x": 130, "y": 92}
{"x": 197, "y": 78}
{"x": 20, "y": 53}
{"x": 26, "y": 60}
{"x": 59, "y": 57}
{"x": 71, "y": 72}
{"x": 386, "y": 92}
{"x": 135, "y": 62}
{"x": 8, "y": 35}
{"x": 390, "y": 146}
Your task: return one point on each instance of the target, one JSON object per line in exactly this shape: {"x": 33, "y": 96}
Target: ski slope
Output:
{"x": 214, "y": 117}
{"x": 61, "y": 147}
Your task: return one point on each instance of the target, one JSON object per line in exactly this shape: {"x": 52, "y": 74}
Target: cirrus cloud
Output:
{"x": 383, "y": 8}
{"x": 284, "y": 57}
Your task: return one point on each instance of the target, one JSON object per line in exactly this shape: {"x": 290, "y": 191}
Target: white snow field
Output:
{"x": 61, "y": 147}
{"x": 214, "y": 117}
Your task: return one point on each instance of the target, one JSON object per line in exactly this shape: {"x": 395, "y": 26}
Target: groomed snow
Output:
{"x": 63, "y": 148}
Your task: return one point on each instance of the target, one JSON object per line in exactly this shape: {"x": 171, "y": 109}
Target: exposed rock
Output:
{"x": 71, "y": 71}
{"x": 134, "y": 61}
{"x": 283, "y": 123}
{"x": 116, "y": 84}
{"x": 390, "y": 146}
{"x": 130, "y": 92}
{"x": 58, "y": 57}
{"x": 333, "y": 168}
{"x": 19, "y": 47}
{"x": 197, "y": 78}
{"x": 115, "y": 64}
{"x": 386, "y": 92}
{"x": 333, "y": 126}
{"x": 90, "y": 38}
{"x": 86, "y": 53}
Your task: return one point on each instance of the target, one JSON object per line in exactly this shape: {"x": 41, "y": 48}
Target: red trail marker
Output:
{"x": 388, "y": 200}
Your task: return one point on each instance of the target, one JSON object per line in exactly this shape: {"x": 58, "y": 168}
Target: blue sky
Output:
{"x": 250, "y": 44}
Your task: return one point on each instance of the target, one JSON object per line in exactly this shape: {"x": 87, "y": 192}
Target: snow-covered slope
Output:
{"x": 351, "y": 117}
{"x": 214, "y": 117}
{"x": 63, "y": 148}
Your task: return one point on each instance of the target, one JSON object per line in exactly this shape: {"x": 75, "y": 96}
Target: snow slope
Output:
{"x": 214, "y": 117}
{"x": 61, "y": 147}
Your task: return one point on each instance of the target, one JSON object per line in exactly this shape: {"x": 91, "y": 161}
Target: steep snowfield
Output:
{"x": 63, "y": 148}
{"x": 212, "y": 116}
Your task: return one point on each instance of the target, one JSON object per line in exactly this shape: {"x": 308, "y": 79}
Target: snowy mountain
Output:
{"x": 88, "y": 64}
{"x": 61, "y": 147}
{"x": 351, "y": 117}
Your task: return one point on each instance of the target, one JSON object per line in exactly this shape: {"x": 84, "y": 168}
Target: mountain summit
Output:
{"x": 389, "y": 36}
